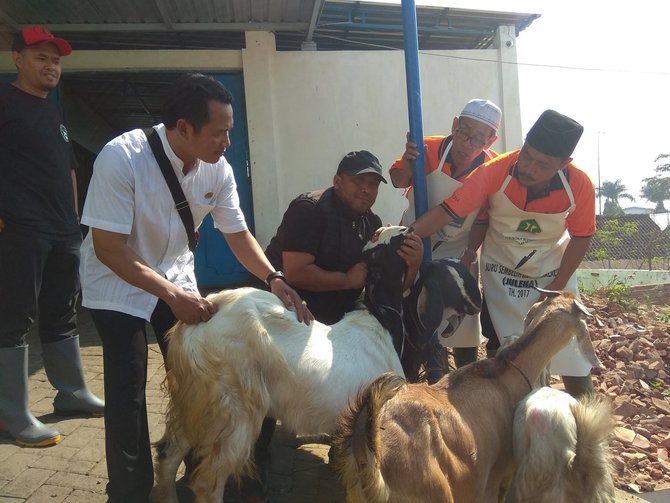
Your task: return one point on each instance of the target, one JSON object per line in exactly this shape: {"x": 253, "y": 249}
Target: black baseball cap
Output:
{"x": 360, "y": 162}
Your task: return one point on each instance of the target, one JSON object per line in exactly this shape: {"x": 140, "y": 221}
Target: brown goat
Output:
{"x": 451, "y": 442}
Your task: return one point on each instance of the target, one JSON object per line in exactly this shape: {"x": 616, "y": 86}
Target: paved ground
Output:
{"x": 74, "y": 471}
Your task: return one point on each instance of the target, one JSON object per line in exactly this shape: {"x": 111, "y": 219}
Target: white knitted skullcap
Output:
{"x": 484, "y": 111}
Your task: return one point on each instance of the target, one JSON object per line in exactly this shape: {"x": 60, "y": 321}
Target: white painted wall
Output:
{"x": 594, "y": 279}
{"x": 305, "y": 110}
{"x": 325, "y": 104}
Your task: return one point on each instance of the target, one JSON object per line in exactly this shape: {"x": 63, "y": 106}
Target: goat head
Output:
{"x": 443, "y": 295}
{"x": 386, "y": 274}
{"x": 570, "y": 305}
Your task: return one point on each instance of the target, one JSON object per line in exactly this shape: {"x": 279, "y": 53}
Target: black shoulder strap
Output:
{"x": 175, "y": 188}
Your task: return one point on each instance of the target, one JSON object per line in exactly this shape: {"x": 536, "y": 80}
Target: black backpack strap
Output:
{"x": 180, "y": 201}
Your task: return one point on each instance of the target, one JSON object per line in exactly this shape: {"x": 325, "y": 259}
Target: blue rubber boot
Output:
{"x": 15, "y": 414}
{"x": 62, "y": 363}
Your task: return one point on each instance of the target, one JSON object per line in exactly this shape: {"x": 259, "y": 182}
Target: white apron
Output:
{"x": 451, "y": 241}
{"x": 523, "y": 249}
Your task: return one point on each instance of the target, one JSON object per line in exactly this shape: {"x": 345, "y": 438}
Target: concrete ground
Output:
{"x": 74, "y": 471}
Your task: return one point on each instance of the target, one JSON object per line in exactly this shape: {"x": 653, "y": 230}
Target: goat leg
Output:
{"x": 171, "y": 450}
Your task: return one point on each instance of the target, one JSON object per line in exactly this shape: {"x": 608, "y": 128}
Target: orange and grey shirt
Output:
{"x": 486, "y": 180}
{"x": 433, "y": 152}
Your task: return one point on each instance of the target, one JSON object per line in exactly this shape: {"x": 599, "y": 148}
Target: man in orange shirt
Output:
{"x": 448, "y": 161}
{"x": 541, "y": 216}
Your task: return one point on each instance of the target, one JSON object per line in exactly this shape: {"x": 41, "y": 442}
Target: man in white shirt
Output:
{"x": 137, "y": 265}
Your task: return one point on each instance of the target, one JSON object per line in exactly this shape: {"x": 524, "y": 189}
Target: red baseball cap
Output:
{"x": 32, "y": 35}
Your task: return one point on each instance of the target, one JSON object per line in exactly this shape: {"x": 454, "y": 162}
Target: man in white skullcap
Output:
{"x": 448, "y": 160}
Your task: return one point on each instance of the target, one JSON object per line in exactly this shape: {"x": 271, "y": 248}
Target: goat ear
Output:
{"x": 429, "y": 304}
{"x": 586, "y": 346}
{"x": 581, "y": 307}
{"x": 548, "y": 293}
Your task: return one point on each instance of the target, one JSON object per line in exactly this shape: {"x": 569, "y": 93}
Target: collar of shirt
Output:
{"x": 480, "y": 159}
{"x": 177, "y": 163}
{"x": 554, "y": 184}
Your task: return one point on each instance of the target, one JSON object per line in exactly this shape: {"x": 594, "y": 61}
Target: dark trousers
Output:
{"x": 127, "y": 445}
{"x": 37, "y": 276}
{"x": 488, "y": 330}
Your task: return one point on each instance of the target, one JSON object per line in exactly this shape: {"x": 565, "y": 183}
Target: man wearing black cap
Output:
{"x": 320, "y": 240}
{"x": 541, "y": 213}
{"x": 39, "y": 241}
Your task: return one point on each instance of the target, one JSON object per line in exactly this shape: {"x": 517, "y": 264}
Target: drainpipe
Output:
{"x": 411, "y": 46}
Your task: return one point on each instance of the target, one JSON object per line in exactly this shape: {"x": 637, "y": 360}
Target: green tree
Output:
{"x": 656, "y": 189}
{"x": 612, "y": 191}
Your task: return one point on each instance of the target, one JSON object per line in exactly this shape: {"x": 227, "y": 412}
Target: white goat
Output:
{"x": 561, "y": 449}
{"x": 254, "y": 359}
{"x": 451, "y": 442}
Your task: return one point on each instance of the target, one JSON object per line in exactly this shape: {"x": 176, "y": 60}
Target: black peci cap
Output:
{"x": 555, "y": 134}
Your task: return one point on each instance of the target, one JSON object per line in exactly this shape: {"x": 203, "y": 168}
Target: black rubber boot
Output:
{"x": 578, "y": 386}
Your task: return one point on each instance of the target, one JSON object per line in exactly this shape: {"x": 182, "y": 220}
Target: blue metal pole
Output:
{"x": 411, "y": 44}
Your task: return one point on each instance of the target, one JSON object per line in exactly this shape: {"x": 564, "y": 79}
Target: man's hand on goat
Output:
{"x": 292, "y": 300}
{"x": 356, "y": 275}
{"x": 468, "y": 258}
{"x": 411, "y": 250}
{"x": 191, "y": 308}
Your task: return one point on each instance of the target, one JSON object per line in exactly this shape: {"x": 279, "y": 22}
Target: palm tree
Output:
{"x": 612, "y": 192}
{"x": 657, "y": 188}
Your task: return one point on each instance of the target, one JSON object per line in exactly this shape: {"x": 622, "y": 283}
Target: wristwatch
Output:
{"x": 275, "y": 275}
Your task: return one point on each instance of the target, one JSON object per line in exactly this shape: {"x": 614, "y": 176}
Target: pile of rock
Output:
{"x": 634, "y": 345}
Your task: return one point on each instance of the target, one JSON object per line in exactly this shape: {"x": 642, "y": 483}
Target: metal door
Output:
{"x": 215, "y": 264}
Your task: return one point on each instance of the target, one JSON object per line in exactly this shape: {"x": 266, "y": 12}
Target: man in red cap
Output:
{"x": 39, "y": 241}
{"x": 540, "y": 210}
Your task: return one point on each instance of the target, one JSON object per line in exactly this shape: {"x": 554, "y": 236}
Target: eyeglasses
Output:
{"x": 475, "y": 141}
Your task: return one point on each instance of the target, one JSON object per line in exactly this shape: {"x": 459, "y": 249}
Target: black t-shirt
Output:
{"x": 36, "y": 159}
{"x": 320, "y": 224}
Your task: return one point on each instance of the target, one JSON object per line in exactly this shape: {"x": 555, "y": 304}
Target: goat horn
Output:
{"x": 550, "y": 293}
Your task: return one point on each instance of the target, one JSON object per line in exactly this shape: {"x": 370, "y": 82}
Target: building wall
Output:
{"x": 305, "y": 110}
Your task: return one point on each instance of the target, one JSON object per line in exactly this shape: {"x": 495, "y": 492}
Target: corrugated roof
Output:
{"x": 195, "y": 24}
{"x": 129, "y": 99}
